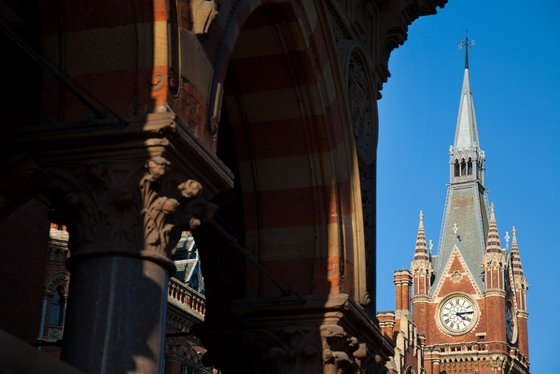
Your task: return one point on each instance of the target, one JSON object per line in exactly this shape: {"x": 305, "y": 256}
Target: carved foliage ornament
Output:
{"x": 344, "y": 353}
{"x": 107, "y": 213}
{"x": 163, "y": 220}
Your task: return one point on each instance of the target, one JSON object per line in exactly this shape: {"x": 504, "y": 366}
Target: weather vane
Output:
{"x": 465, "y": 43}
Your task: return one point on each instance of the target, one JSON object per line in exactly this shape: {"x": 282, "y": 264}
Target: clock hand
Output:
{"x": 461, "y": 313}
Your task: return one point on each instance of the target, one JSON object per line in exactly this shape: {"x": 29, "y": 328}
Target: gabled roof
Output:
{"x": 455, "y": 252}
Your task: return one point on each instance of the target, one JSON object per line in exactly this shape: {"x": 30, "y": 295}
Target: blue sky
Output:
{"x": 515, "y": 79}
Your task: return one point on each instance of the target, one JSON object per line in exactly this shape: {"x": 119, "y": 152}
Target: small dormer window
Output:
{"x": 463, "y": 167}
{"x": 469, "y": 167}
{"x": 456, "y": 173}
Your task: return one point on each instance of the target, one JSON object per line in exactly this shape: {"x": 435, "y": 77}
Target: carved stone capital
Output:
{"x": 118, "y": 208}
{"x": 349, "y": 352}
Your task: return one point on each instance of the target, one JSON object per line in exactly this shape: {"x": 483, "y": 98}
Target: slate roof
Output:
{"x": 467, "y": 209}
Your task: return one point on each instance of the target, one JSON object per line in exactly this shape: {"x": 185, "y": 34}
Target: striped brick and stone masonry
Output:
{"x": 387, "y": 322}
{"x": 432, "y": 360}
{"x": 402, "y": 279}
{"x": 140, "y": 99}
{"x": 494, "y": 264}
{"x": 421, "y": 270}
{"x": 521, "y": 287}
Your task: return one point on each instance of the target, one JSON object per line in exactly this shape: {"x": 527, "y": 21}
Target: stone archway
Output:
{"x": 290, "y": 275}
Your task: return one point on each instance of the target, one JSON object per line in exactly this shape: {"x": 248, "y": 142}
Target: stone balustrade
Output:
{"x": 186, "y": 298}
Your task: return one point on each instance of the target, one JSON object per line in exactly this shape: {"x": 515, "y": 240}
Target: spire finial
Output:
{"x": 492, "y": 216}
{"x": 421, "y": 216}
{"x": 514, "y": 239}
{"x": 506, "y": 237}
{"x": 467, "y": 44}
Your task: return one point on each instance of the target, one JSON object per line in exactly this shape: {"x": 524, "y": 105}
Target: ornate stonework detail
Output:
{"x": 520, "y": 282}
{"x": 181, "y": 351}
{"x": 111, "y": 208}
{"x": 344, "y": 353}
{"x": 421, "y": 267}
{"x": 156, "y": 208}
{"x": 162, "y": 227}
{"x": 59, "y": 279}
{"x": 102, "y": 210}
{"x": 494, "y": 260}
{"x": 456, "y": 277}
{"x": 203, "y": 14}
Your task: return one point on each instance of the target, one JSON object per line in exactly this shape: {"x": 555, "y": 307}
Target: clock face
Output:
{"x": 511, "y": 327}
{"x": 458, "y": 314}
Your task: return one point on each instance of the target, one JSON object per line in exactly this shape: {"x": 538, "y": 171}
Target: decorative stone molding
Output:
{"x": 156, "y": 208}
{"x": 344, "y": 353}
{"x": 421, "y": 267}
{"x": 59, "y": 279}
{"x": 107, "y": 212}
{"x": 421, "y": 298}
{"x": 494, "y": 261}
{"x": 495, "y": 292}
{"x": 181, "y": 351}
{"x": 456, "y": 277}
{"x": 520, "y": 282}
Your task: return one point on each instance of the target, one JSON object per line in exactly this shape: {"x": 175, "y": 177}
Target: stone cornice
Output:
{"x": 495, "y": 292}
{"x": 68, "y": 144}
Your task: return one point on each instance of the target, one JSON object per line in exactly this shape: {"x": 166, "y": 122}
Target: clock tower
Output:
{"x": 468, "y": 301}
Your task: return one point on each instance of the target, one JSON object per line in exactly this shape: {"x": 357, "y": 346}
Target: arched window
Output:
{"x": 463, "y": 167}
{"x": 469, "y": 167}
{"x": 56, "y": 311}
{"x": 456, "y": 173}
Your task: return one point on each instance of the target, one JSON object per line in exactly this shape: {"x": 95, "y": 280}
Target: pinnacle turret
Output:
{"x": 420, "y": 250}
{"x": 517, "y": 267}
{"x": 493, "y": 242}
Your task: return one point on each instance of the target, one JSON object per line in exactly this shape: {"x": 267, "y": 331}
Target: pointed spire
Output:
{"x": 466, "y": 133}
{"x": 420, "y": 250}
{"x": 493, "y": 243}
{"x": 517, "y": 267}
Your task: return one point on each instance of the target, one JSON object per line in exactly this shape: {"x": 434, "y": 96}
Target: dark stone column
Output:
{"x": 123, "y": 231}
{"x": 116, "y": 315}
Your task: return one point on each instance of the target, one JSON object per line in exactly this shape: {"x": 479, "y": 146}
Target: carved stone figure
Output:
{"x": 156, "y": 208}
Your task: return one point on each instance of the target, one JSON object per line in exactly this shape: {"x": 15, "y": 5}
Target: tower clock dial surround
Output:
{"x": 511, "y": 323}
{"x": 457, "y": 314}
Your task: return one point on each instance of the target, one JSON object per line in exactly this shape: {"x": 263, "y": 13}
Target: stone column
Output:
{"x": 122, "y": 234}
